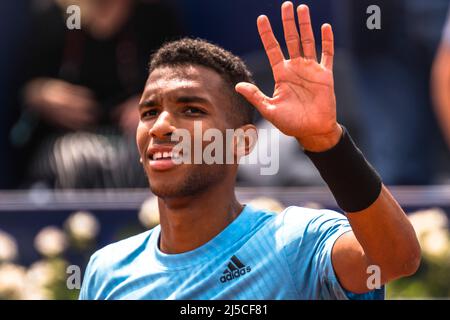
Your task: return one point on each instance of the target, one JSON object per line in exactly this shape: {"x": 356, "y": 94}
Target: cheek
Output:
{"x": 142, "y": 137}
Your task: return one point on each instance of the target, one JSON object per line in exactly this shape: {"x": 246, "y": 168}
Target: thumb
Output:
{"x": 253, "y": 95}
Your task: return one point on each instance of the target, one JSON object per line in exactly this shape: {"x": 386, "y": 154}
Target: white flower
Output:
{"x": 267, "y": 204}
{"x": 12, "y": 281}
{"x": 32, "y": 292}
{"x": 50, "y": 241}
{"x": 149, "y": 213}
{"x": 8, "y": 247}
{"x": 436, "y": 243}
{"x": 41, "y": 274}
{"x": 430, "y": 220}
{"x": 42, "y": 277}
{"x": 83, "y": 226}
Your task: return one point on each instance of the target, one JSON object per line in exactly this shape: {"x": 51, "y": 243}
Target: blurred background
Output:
{"x": 70, "y": 178}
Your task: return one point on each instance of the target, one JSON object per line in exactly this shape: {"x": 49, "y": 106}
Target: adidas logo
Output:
{"x": 235, "y": 269}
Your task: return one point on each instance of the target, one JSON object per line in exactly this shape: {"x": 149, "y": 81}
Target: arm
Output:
{"x": 383, "y": 236}
{"x": 441, "y": 88}
{"x": 304, "y": 106}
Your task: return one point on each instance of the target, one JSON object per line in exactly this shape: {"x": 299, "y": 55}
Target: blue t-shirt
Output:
{"x": 260, "y": 255}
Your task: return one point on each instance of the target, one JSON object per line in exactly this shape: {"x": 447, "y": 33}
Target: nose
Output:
{"x": 163, "y": 126}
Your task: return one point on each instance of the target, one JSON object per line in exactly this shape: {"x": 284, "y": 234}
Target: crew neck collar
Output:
{"x": 225, "y": 239}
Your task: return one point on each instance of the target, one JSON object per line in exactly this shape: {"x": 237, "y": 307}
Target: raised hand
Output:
{"x": 303, "y": 103}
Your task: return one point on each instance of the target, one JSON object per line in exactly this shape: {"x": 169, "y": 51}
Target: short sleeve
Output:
{"x": 309, "y": 237}
{"x": 86, "y": 287}
{"x": 90, "y": 287}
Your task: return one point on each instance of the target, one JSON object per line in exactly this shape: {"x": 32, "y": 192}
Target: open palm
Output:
{"x": 303, "y": 103}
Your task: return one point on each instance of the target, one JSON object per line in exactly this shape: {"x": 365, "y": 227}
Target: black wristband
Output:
{"x": 353, "y": 181}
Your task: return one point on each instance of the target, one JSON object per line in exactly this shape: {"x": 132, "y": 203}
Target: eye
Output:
{"x": 193, "y": 111}
{"x": 149, "y": 113}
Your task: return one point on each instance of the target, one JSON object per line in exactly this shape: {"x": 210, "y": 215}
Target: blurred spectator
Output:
{"x": 81, "y": 89}
{"x": 392, "y": 67}
{"x": 441, "y": 82}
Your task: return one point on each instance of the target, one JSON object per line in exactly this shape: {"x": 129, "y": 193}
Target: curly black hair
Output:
{"x": 232, "y": 69}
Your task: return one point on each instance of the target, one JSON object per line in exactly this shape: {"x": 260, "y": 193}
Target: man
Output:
{"x": 208, "y": 245}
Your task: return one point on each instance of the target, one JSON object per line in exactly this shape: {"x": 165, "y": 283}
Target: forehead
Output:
{"x": 184, "y": 79}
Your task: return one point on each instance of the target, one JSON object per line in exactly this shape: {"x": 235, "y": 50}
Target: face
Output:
{"x": 175, "y": 98}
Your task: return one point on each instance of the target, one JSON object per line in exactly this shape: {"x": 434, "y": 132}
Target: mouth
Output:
{"x": 162, "y": 160}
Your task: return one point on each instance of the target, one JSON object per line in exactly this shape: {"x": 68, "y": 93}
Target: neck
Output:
{"x": 189, "y": 222}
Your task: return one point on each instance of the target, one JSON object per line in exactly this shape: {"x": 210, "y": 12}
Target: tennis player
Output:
{"x": 210, "y": 246}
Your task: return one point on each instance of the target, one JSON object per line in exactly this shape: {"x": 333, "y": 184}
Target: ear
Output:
{"x": 244, "y": 140}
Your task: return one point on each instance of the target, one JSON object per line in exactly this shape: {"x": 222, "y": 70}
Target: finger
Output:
{"x": 327, "y": 46}
{"x": 83, "y": 91}
{"x": 73, "y": 95}
{"x": 306, "y": 33}
{"x": 72, "y": 121}
{"x": 290, "y": 30}
{"x": 78, "y": 101}
{"x": 269, "y": 41}
{"x": 74, "y": 89}
{"x": 253, "y": 95}
{"x": 75, "y": 109}
{"x": 80, "y": 104}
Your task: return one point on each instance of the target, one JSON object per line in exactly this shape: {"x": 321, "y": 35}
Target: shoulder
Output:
{"x": 301, "y": 219}
{"x": 121, "y": 250}
{"x": 104, "y": 263}
{"x": 310, "y": 230}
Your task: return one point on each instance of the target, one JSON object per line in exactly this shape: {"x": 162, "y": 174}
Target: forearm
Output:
{"x": 383, "y": 235}
{"x": 387, "y": 237}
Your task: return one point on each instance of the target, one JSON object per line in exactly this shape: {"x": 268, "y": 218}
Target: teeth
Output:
{"x": 157, "y": 155}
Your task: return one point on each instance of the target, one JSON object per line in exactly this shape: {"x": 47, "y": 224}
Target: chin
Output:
{"x": 173, "y": 190}
{"x": 164, "y": 189}
{"x": 185, "y": 183}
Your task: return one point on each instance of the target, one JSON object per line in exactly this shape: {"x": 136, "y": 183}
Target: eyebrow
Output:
{"x": 181, "y": 99}
{"x": 191, "y": 99}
